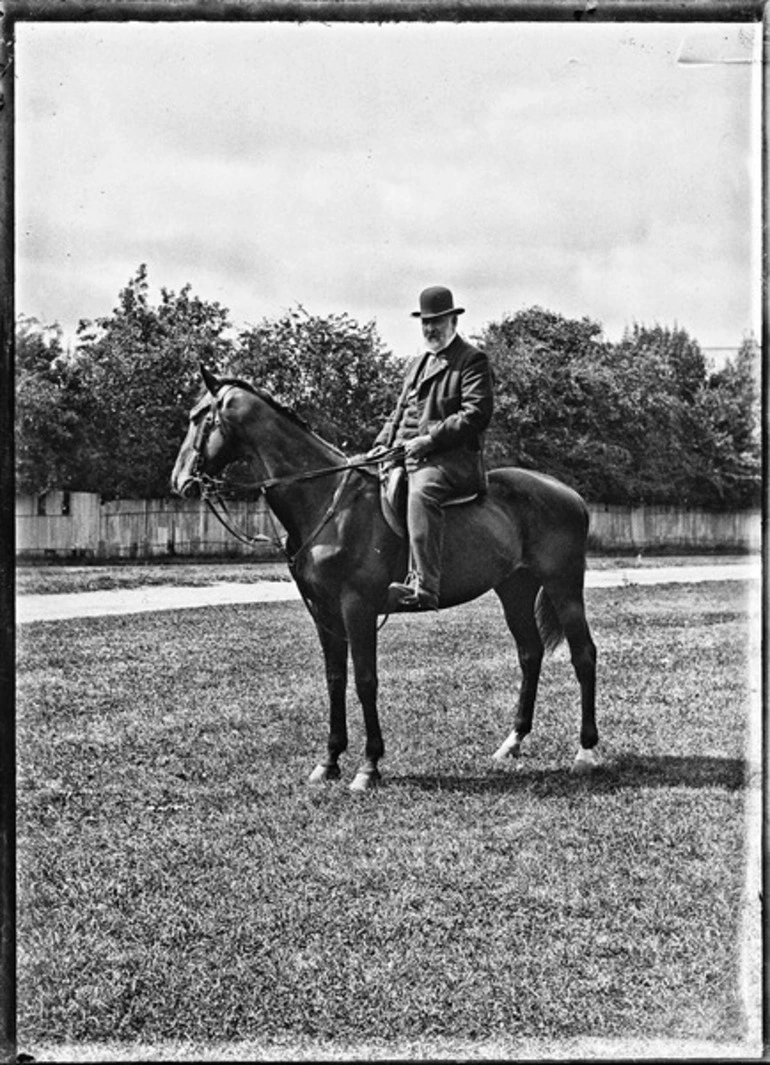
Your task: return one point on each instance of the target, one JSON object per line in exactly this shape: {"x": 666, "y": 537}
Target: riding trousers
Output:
{"x": 429, "y": 489}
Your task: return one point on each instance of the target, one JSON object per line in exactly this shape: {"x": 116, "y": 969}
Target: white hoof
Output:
{"x": 364, "y": 781}
{"x": 322, "y": 774}
{"x": 585, "y": 761}
{"x": 511, "y": 748}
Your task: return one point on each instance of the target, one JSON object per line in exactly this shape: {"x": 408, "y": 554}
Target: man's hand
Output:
{"x": 418, "y": 447}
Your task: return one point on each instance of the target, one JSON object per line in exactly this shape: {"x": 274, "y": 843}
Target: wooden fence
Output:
{"x": 615, "y": 528}
{"x": 76, "y": 525}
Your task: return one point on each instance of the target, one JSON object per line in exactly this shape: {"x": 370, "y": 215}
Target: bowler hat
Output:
{"x": 436, "y": 302}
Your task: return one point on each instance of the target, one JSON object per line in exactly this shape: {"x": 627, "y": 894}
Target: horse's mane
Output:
{"x": 275, "y": 404}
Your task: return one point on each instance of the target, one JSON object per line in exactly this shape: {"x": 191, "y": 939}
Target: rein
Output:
{"x": 212, "y": 497}
{"x": 324, "y": 471}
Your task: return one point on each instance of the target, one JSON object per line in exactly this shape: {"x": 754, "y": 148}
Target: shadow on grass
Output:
{"x": 624, "y": 771}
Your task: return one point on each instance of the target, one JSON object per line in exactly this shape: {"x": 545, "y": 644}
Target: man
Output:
{"x": 445, "y": 406}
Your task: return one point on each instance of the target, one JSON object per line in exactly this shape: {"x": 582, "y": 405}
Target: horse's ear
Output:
{"x": 209, "y": 380}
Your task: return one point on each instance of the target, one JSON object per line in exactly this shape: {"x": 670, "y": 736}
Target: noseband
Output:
{"x": 202, "y": 434}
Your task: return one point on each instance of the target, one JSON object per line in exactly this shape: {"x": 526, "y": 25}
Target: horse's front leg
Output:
{"x": 361, "y": 626}
{"x": 331, "y": 632}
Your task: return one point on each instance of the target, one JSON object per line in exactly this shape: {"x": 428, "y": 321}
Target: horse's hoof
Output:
{"x": 585, "y": 761}
{"x": 323, "y": 774}
{"x": 365, "y": 780}
{"x": 505, "y": 751}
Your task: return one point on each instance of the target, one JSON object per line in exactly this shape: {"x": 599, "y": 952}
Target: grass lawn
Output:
{"x": 180, "y": 885}
{"x": 54, "y": 579}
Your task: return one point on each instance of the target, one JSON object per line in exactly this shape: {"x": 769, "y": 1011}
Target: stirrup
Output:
{"x": 408, "y": 595}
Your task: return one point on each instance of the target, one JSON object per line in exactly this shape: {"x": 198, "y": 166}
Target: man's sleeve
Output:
{"x": 476, "y": 405}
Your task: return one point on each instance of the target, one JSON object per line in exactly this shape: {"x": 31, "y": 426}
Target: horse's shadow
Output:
{"x": 623, "y": 771}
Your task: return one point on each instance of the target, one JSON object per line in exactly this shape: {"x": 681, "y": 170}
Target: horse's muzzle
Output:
{"x": 188, "y": 489}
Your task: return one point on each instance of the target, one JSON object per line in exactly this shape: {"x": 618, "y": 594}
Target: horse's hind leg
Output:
{"x": 570, "y": 609}
{"x": 517, "y": 595}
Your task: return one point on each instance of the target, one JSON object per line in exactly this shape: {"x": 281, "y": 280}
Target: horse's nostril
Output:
{"x": 187, "y": 488}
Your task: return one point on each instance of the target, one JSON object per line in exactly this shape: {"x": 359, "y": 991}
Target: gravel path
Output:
{"x": 170, "y": 597}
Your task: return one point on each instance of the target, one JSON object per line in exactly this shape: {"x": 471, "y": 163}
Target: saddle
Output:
{"x": 393, "y": 492}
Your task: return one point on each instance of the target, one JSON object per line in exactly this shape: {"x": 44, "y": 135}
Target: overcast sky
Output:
{"x": 601, "y": 170}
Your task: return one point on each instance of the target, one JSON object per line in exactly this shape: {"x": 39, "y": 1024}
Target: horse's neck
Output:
{"x": 282, "y": 447}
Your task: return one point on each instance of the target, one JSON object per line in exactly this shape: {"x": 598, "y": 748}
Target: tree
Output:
{"x": 671, "y": 354}
{"x": 634, "y": 422}
{"x": 737, "y": 386}
{"x": 695, "y": 427}
{"x": 641, "y": 421}
{"x": 331, "y": 370}
{"x": 552, "y": 388}
{"x": 139, "y": 369}
{"x": 731, "y": 401}
{"x": 48, "y": 431}
{"x": 110, "y": 419}
{"x": 660, "y": 372}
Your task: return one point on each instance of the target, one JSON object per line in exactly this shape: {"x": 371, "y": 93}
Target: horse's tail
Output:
{"x": 551, "y": 631}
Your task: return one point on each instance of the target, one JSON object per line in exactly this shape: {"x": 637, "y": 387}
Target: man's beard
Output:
{"x": 438, "y": 340}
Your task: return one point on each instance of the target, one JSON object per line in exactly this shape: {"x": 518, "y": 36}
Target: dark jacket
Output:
{"x": 454, "y": 404}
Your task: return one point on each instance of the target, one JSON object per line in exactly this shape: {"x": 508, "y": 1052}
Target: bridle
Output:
{"x": 202, "y": 434}
{"x": 211, "y": 487}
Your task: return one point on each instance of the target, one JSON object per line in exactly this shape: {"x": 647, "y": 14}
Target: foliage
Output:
{"x": 641, "y": 421}
{"x": 550, "y": 382}
{"x": 171, "y": 854}
{"x": 125, "y": 394}
{"x": 139, "y": 369}
{"x": 331, "y": 370}
{"x": 48, "y": 437}
{"x": 635, "y": 422}
{"x": 685, "y": 450}
{"x": 732, "y": 402}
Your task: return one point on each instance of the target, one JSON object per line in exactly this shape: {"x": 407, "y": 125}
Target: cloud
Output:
{"x": 347, "y": 166}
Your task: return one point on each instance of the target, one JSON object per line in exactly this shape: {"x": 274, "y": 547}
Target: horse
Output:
{"x": 525, "y": 537}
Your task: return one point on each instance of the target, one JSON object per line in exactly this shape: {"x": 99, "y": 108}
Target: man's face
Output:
{"x": 438, "y": 331}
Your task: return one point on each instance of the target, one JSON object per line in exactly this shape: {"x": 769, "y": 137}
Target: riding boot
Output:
{"x": 429, "y": 488}
{"x": 410, "y": 595}
{"x": 426, "y": 541}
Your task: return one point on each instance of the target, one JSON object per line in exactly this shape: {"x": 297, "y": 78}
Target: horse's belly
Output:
{"x": 482, "y": 546}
